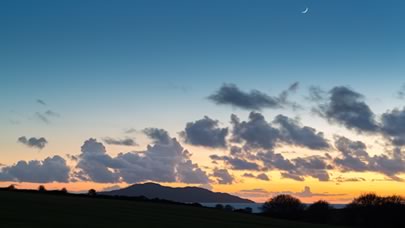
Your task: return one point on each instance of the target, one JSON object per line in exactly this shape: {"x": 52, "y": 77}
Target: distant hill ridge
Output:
{"x": 184, "y": 194}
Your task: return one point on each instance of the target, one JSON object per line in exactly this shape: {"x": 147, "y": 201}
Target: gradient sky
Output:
{"x": 104, "y": 67}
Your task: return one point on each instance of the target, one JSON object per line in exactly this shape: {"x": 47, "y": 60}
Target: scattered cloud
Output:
{"x": 33, "y": 142}
{"x": 159, "y": 136}
{"x": 230, "y": 94}
{"x": 49, "y": 170}
{"x": 263, "y": 177}
{"x": 401, "y": 92}
{"x": 120, "y": 142}
{"x": 354, "y": 157}
{"x": 205, "y": 132}
{"x": 111, "y": 188}
{"x": 393, "y": 126}
{"x": 293, "y": 133}
{"x": 223, "y": 176}
{"x": 41, "y": 102}
{"x": 346, "y": 107}
{"x": 255, "y": 133}
{"x": 165, "y": 161}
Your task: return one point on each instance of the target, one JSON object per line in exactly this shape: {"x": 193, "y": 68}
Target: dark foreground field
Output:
{"x": 25, "y": 209}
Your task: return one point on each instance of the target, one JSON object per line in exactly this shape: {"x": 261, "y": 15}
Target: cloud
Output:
{"x": 52, "y": 113}
{"x": 120, "y": 142}
{"x": 230, "y": 94}
{"x": 41, "y": 102}
{"x": 354, "y": 157}
{"x": 263, "y": 176}
{"x": 401, "y": 92}
{"x": 236, "y": 163}
{"x": 49, "y": 170}
{"x": 45, "y": 117}
{"x": 157, "y": 135}
{"x": 223, "y": 176}
{"x": 165, "y": 161}
{"x": 253, "y": 193}
{"x": 393, "y": 126}
{"x": 130, "y": 131}
{"x": 306, "y": 193}
{"x": 258, "y": 133}
{"x": 293, "y": 133}
{"x": 111, "y": 188}
{"x": 262, "y": 193}
{"x": 346, "y": 107}
{"x": 350, "y": 179}
{"x": 255, "y": 133}
{"x": 39, "y": 143}
{"x": 42, "y": 117}
{"x": 205, "y": 132}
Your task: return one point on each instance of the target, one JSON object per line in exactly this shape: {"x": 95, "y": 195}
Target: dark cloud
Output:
{"x": 46, "y": 116}
{"x": 130, "y": 130}
{"x": 401, "y": 92}
{"x": 230, "y": 94}
{"x": 120, "y": 142}
{"x": 39, "y": 143}
{"x": 41, "y": 102}
{"x": 258, "y": 133}
{"x": 255, "y": 133}
{"x": 350, "y": 179}
{"x": 306, "y": 193}
{"x": 52, "y": 113}
{"x": 393, "y": 126}
{"x": 157, "y": 135}
{"x": 236, "y": 163}
{"x": 346, "y": 107}
{"x": 249, "y": 175}
{"x": 49, "y": 170}
{"x": 354, "y": 157}
{"x": 165, "y": 161}
{"x": 316, "y": 94}
{"x": 263, "y": 176}
{"x": 42, "y": 117}
{"x": 205, "y": 132}
{"x": 293, "y": 133}
{"x": 223, "y": 176}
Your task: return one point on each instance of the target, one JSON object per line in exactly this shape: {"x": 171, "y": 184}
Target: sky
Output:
{"x": 254, "y": 98}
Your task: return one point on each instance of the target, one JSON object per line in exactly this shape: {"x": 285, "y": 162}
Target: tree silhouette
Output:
{"x": 64, "y": 190}
{"x": 228, "y": 207}
{"x": 11, "y": 187}
{"x": 219, "y": 206}
{"x": 92, "y": 192}
{"x": 283, "y": 206}
{"x": 318, "y": 212}
{"x": 41, "y": 188}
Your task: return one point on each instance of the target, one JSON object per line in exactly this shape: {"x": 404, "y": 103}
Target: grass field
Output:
{"x": 25, "y": 209}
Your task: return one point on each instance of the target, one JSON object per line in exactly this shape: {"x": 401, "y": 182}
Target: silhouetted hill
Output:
{"x": 185, "y": 195}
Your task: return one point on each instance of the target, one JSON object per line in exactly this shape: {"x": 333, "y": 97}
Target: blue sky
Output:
{"x": 132, "y": 55}
{"x": 106, "y": 66}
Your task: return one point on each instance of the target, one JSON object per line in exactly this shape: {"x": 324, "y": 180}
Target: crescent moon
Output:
{"x": 305, "y": 11}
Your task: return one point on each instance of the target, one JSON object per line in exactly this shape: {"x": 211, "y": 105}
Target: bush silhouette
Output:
{"x": 228, "y": 207}
{"x": 41, "y": 188}
{"x": 318, "y": 212}
{"x": 92, "y": 192}
{"x": 283, "y": 206}
{"x": 372, "y": 210}
{"x": 64, "y": 190}
{"x": 11, "y": 187}
{"x": 219, "y": 206}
